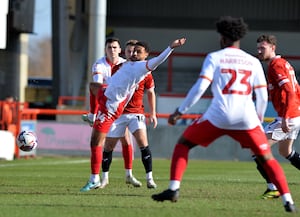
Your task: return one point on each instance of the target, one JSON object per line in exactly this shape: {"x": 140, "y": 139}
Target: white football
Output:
{"x": 27, "y": 140}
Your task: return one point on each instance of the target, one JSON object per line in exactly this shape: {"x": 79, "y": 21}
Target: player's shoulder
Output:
{"x": 149, "y": 76}
{"x": 100, "y": 66}
{"x": 214, "y": 53}
{"x": 136, "y": 63}
{"x": 121, "y": 60}
{"x": 227, "y": 52}
{"x": 278, "y": 60}
{"x": 250, "y": 58}
{"x": 101, "y": 60}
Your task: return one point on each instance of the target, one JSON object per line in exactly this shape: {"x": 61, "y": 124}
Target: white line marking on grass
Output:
{"x": 45, "y": 163}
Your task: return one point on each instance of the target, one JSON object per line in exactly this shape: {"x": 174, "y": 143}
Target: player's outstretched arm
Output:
{"x": 156, "y": 61}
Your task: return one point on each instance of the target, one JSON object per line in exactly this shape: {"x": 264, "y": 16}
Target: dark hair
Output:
{"x": 232, "y": 28}
{"x": 111, "y": 40}
{"x": 271, "y": 39}
{"x": 144, "y": 45}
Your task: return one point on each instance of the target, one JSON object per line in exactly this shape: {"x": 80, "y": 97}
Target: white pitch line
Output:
{"x": 45, "y": 163}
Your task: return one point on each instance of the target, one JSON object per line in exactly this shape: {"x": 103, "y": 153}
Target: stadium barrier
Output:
{"x": 27, "y": 118}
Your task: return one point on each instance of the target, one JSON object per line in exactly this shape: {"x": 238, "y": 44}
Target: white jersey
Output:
{"x": 233, "y": 75}
{"x": 124, "y": 82}
{"x": 102, "y": 69}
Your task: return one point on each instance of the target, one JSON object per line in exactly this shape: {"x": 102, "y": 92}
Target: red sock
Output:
{"x": 96, "y": 159}
{"x": 179, "y": 162}
{"x": 276, "y": 175}
{"x": 127, "y": 155}
{"x": 93, "y": 103}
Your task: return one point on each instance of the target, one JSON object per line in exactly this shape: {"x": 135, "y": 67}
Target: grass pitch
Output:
{"x": 49, "y": 186}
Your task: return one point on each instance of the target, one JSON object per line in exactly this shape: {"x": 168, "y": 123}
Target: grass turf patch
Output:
{"x": 49, "y": 186}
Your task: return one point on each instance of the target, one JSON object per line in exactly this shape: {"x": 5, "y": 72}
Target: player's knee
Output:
{"x": 186, "y": 142}
{"x": 110, "y": 145}
{"x": 284, "y": 150}
{"x": 263, "y": 158}
{"x": 143, "y": 145}
{"x": 108, "y": 148}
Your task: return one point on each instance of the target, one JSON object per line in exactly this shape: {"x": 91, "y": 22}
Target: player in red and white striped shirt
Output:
{"x": 103, "y": 69}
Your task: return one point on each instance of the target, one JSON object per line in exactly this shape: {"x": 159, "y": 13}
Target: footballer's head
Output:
{"x": 141, "y": 51}
{"x": 231, "y": 30}
{"x": 266, "y": 47}
{"x": 129, "y": 48}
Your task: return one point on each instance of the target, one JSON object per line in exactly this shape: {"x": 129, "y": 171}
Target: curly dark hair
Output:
{"x": 232, "y": 28}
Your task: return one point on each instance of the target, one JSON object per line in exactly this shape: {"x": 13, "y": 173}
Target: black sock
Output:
{"x": 147, "y": 159}
{"x": 261, "y": 169}
{"x": 294, "y": 158}
{"x": 106, "y": 160}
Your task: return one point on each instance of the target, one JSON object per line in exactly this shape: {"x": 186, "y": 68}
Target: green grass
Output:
{"x": 49, "y": 186}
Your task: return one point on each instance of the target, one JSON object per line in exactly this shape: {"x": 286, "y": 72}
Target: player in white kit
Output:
{"x": 233, "y": 75}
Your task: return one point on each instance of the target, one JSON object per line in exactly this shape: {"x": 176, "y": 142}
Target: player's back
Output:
{"x": 234, "y": 74}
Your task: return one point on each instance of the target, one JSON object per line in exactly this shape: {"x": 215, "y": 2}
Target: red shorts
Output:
{"x": 202, "y": 132}
{"x": 104, "y": 119}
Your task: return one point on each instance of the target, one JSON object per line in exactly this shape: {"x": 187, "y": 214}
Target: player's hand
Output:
{"x": 153, "y": 120}
{"x": 174, "y": 117}
{"x": 285, "y": 126}
{"x": 94, "y": 87}
{"x": 178, "y": 43}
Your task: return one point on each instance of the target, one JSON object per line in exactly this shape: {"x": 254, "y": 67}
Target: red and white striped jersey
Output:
{"x": 102, "y": 69}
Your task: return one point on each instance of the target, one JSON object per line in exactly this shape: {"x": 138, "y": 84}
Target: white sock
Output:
{"x": 91, "y": 116}
{"x": 271, "y": 186}
{"x": 174, "y": 185}
{"x": 94, "y": 178}
{"x": 287, "y": 197}
{"x": 128, "y": 172}
{"x": 104, "y": 175}
{"x": 149, "y": 175}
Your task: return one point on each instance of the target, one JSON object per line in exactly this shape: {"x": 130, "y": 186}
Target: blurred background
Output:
{"x": 48, "y": 46}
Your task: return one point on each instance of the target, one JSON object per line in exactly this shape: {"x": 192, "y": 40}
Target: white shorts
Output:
{"x": 132, "y": 121}
{"x": 274, "y": 128}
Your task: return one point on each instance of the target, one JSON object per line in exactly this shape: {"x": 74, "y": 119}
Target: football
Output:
{"x": 27, "y": 140}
